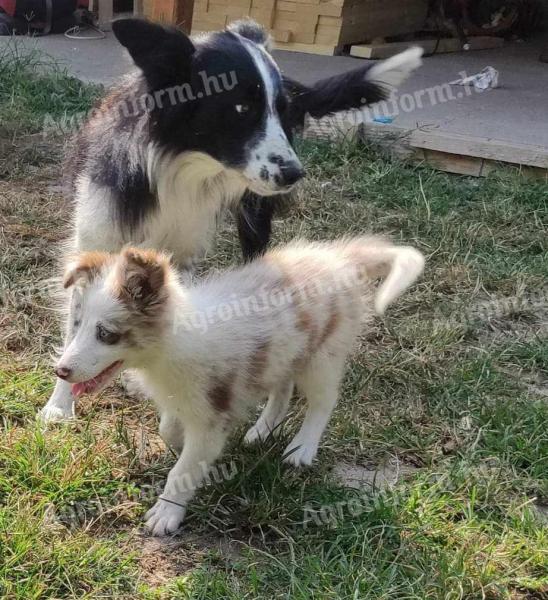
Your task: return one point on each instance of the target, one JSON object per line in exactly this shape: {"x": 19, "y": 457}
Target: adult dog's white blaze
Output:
{"x": 273, "y": 148}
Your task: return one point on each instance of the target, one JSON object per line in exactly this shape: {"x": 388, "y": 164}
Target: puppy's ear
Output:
{"x": 163, "y": 54}
{"x": 250, "y": 29}
{"x": 141, "y": 279}
{"x": 85, "y": 268}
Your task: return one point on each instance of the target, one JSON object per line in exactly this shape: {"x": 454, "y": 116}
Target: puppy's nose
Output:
{"x": 291, "y": 172}
{"x": 63, "y": 372}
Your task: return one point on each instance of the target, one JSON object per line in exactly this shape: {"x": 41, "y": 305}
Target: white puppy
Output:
{"x": 207, "y": 353}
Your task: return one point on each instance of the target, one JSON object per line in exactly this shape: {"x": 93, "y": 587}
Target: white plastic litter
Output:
{"x": 487, "y": 78}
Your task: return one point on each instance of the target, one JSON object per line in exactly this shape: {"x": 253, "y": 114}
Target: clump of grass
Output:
{"x": 37, "y": 99}
{"x": 39, "y": 559}
{"x": 33, "y": 86}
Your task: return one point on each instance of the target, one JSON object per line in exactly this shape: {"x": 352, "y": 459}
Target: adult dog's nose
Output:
{"x": 63, "y": 372}
{"x": 291, "y": 172}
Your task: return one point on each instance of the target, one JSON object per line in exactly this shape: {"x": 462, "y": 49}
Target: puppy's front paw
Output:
{"x": 164, "y": 518}
{"x": 259, "y": 432}
{"x": 300, "y": 455}
{"x": 54, "y": 414}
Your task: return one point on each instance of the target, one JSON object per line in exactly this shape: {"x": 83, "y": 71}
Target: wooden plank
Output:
{"x": 454, "y": 163}
{"x": 489, "y": 148}
{"x": 445, "y": 151}
{"x": 342, "y": 127}
{"x": 185, "y": 11}
{"x": 470, "y": 165}
{"x": 445, "y": 45}
{"x": 323, "y": 49}
{"x": 174, "y": 12}
{"x": 279, "y": 35}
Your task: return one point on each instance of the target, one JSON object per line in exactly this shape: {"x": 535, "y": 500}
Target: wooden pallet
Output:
{"x": 442, "y": 46}
{"x": 173, "y": 12}
{"x": 318, "y": 26}
{"x": 442, "y": 150}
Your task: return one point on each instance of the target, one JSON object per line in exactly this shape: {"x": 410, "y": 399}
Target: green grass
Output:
{"x": 33, "y": 86}
{"x": 458, "y": 396}
{"x": 37, "y": 100}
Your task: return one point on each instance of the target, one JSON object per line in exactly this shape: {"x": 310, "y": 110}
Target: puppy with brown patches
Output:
{"x": 207, "y": 353}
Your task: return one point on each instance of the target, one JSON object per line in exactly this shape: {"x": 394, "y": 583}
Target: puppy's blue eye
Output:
{"x": 241, "y": 108}
{"x": 107, "y": 337}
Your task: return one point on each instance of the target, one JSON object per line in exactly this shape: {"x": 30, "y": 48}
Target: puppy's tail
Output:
{"x": 398, "y": 266}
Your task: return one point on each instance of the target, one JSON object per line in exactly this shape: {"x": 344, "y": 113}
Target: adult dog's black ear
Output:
{"x": 162, "y": 53}
{"x": 250, "y": 29}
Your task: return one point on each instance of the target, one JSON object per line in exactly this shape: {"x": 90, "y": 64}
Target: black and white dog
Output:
{"x": 203, "y": 125}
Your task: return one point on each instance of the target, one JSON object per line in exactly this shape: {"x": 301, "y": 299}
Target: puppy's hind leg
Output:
{"x": 273, "y": 413}
{"x": 320, "y": 384}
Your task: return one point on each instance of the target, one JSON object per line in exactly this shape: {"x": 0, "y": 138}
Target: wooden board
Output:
{"x": 488, "y": 148}
{"x": 443, "y": 150}
{"x": 323, "y": 49}
{"x": 173, "y": 12}
{"x": 444, "y": 46}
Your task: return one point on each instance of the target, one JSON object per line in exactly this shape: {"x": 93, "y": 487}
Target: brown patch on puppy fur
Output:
{"x": 259, "y": 363}
{"x": 305, "y": 324}
{"x": 140, "y": 281}
{"x": 221, "y": 392}
{"x": 304, "y": 321}
{"x": 332, "y": 323}
{"x": 88, "y": 266}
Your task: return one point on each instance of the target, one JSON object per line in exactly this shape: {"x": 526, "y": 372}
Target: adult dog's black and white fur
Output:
{"x": 160, "y": 176}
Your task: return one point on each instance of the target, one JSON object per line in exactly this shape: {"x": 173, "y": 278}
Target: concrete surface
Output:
{"x": 517, "y": 111}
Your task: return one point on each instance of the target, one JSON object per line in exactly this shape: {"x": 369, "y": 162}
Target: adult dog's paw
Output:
{"x": 54, "y": 414}
{"x": 164, "y": 518}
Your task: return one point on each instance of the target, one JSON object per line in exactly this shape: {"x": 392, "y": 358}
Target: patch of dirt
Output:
{"x": 541, "y": 511}
{"x": 527, "y": 326}
{"x": 535, "y": 382}
{"x": 33, "y": 224}
{"x": 379, "y": 478}
{"x": 162, "y": 559}
{"x": 25, "y": 155}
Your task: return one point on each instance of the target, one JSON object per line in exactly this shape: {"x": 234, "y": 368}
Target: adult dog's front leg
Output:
{"x": 202, "y": 446}
{"x": 255, "y": 224}
{"x": 60, "y": 406}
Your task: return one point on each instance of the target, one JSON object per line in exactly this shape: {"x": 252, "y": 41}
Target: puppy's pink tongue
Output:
{"x": 91, "y": 385}
{"x": 85, "y": 387}
{"x": 79, "y": 389}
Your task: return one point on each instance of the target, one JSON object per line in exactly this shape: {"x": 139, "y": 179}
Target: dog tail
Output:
{"x": 353, "y": 89}
{"x": 393, "y": 71}
{"x": 398, "y": 266}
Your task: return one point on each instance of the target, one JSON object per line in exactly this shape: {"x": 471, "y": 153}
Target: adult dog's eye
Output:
{"x": 241, "y": 108}
{"x": 106, "y": 336}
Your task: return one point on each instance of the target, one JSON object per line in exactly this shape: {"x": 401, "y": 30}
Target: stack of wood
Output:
{"x": 317, "y": 26}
